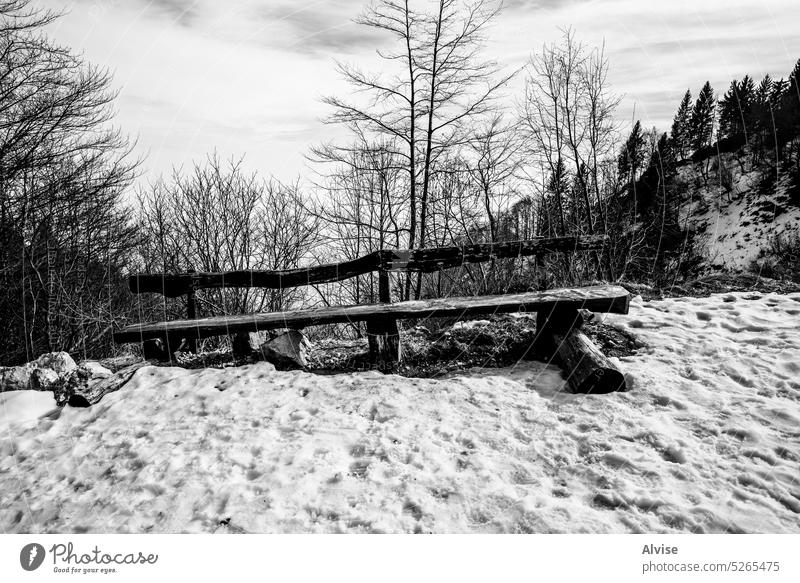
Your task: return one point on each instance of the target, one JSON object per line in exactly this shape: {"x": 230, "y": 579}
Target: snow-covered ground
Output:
{"x": 707, "y": 440}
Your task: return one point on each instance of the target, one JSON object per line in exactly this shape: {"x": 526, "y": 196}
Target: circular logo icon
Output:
{"x": 31, "y": 556}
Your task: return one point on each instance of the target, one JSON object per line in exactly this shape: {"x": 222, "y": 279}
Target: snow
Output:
{"x": 707, "y": 440}
{"x": 25, "y": 406}
{"x": 469, "y": 324}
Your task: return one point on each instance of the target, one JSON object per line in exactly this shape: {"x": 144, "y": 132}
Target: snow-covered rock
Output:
{"x": 55, "y": 372}
{"x": 39, "y": 375}
{"x": 95, "y": 370}
{"x": 59, "y": 362}
{"x": 43, "y": 379}
{"x": 15, "y": 378}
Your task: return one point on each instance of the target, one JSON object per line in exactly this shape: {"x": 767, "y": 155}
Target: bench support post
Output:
{"x": 383, "y": 334}
{"x": 158, "y": 349}
{"x": 191, "y": 314}
{"x": 384, "y": 293}
{"x": 558, "y": 336}
{"x": 384, "y": 342}
{"x": 163, "y": 349}
{"x": 240, "y": 345}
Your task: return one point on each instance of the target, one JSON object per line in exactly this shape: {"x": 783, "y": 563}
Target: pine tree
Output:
{"x": 766, "y": 105}
{"x": 631, "y": 158}
{"x": 701, "y": 122}
{"x": 788, "y": 118}
{"x": 762, "y": 104}
{"x": 663, "y": 154}
{"x": 779, "y": 89}
{"x": 764, "y": 89}
{"x": 680, "y": 126}
{"x": 556, "y": 187}
{"x": 736, "y": 110}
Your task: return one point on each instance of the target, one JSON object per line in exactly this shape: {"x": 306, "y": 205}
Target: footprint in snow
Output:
{"x": 413, "y": 509}
{"x": 359, "y": 468}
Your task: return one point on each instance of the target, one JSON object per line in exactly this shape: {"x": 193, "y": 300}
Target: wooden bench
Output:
{"x": 558, "y": 311}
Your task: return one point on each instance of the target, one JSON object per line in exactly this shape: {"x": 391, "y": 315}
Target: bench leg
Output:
{"x": 163, "y": 349}
{"x": 549, "y": 321}
{"x": 384, "y": 342}
{"x": 240, "y": 345}
{"x": 558, "y": 336}
{"x": 156, "y": 349}
{"x": 191, "y": 314}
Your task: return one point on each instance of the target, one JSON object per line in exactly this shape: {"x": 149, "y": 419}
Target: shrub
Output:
{"x": 780, "y": 259}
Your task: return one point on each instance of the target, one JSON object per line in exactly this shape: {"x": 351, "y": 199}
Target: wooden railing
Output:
{"x": 424, "y": 260}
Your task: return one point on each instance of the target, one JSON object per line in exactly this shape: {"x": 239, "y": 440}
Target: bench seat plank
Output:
{"x": 600, "y": 298}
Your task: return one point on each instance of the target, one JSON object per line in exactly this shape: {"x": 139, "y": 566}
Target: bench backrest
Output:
{"x": 384, "y": 261}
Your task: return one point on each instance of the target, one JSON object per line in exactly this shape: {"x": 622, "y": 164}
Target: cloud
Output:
{"x": 316, "y": 28}
{"x": 183, "y": 12}
{"x": 657, "y": 50}
{"x": 246, "y": 75}
{"x": 319, "y": 28}
{"x": 532, "y": 5}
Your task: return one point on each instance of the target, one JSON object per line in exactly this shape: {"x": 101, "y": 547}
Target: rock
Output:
{"x": 95, "y": 370}
{"x": 78, "y": 392}
{"x": 258, "y": 338}
{"x": 116, "y": 363}
{"x": 67, "y": 385}
{"x": 59, "y": 362}
{"x": 288, "y": 351}
{"x": 39, "y": 375}
{"x": 15, "y": 378}
{"x": 43, "y": 379}
{"x": 78, "y": 385}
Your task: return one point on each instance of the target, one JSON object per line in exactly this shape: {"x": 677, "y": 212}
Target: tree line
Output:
{"x": 754, "y": 127}
{"x": 436, "y": 153}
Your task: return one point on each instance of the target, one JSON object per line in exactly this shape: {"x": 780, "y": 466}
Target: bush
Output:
{"x": 780, "y": 259}
{"x": 215, "y": 218}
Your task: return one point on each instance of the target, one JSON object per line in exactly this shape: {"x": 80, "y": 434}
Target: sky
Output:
{"x": 246, "y": 77}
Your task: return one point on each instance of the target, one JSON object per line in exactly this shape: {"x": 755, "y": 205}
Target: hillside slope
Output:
{"x": 737, "y": 213}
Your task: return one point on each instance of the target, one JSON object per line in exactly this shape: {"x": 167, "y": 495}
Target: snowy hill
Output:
{"x": 735, "y": 217}
{"x": 707, "y": 440}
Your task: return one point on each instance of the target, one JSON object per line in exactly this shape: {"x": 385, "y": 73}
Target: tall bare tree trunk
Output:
{"x": 412, "y": 148}
{"x": 429, "y": 140}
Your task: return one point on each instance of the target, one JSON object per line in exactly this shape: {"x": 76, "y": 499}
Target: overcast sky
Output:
{"x": 246, "y": 76}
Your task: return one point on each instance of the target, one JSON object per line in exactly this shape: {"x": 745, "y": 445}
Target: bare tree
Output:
{"x": 427, "y": 104}
{"x": 540, "y": 118}
{"x": 362, "y": 208}
{"x": 392, "y": 104}
{"x": 493, "y": 166}
{"x": 567, "y": 117}
{"x": 601, "y": 131}
{"x": 64, "y": 236}
{"x": 217, "y": 218}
